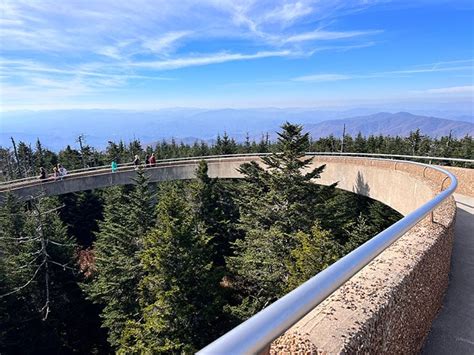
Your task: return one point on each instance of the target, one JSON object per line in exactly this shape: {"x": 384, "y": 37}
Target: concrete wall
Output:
{"x": 388, "y": 306}
{"x": 465, "y": 180}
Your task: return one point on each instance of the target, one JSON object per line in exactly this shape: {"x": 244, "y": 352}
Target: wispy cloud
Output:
{"x": 320, "y": 35}
{"x": 288, "y": 13}
{"x": 215, "y": 58}
{"x": 420, "y": 69}
{"x": 430, "y": 70}
{"x": 468, "y": 89}
{"x": 25, "y": 68}
{"x": 323, "y": 77}
{"x": 165, "y": 43}
{"x": 26, "y": 82}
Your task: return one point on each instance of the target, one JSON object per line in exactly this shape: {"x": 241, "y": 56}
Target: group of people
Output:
{"x": 59, "y": 172}
{"x": 150, "y": 161}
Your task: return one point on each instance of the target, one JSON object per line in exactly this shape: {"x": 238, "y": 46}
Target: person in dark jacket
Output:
{"x": 42, "y": 174}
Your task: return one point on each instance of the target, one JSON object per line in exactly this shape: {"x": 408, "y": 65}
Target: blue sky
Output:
{"x": 223, "y": 53}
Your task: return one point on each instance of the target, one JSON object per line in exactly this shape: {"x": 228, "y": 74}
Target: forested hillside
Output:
{"x": 169, "y": 267}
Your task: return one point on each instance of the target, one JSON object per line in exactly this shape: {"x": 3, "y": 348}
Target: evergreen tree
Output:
{"x": 39, "y": 155}
{"x": 276, "y": 203}
{"x": 7, "y": 165}
{"x": 128, "y": 215}
{"x": 338, "y": 213}
{"x": 315, "y": 251}
{"x": 113, "y": 152}
{"x": 359, "y": 144}
{"x": 180, "y": 306}
{"x": 263, "y": 145}
{"x": 225, "y": 145}
{"x": 216, "y": 210}
{"x": 381, "y": 217}
{"x": 70, "y": 159}
{"x": 358, "y": 232}
{"x": 466, "y": 148}
{"x": 25, "y": 156}
{"x": 81, "y": 213}
{"x": 414, "y": 139}
{"x": 247, "y": 148}
{"x": 135, "y": 148}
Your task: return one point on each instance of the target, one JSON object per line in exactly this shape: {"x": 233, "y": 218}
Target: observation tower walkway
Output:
{"x": 453, "y": 330}
{"x": 382, "y": 297}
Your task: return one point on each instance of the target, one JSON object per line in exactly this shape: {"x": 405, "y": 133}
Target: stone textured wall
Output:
{"x": 465, "y": 180}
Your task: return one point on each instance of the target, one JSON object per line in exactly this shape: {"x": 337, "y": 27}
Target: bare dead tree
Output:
{"x": 40, "y": 256}
{"x": 343, "y": 136}
{"x": 16, "y": 157}
{"x": 80, "y": 139}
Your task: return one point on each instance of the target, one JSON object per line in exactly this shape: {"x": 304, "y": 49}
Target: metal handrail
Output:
{"x": 407, "y": 157}
{"x": 120, "y": 167}
{"x": 131, "y": 164}
{"x": 123, "y": 166}
{"x": 259, "y": 331}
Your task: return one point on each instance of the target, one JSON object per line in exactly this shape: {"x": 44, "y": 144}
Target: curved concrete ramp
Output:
{"x": 390, "y": 182}
{"x": 453, "y": 330}
{"x": 388, "y": 306}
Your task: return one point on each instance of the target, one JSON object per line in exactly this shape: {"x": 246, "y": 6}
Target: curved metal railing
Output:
{"x": 5, "y": 185}
{"x": 259, "y": 331}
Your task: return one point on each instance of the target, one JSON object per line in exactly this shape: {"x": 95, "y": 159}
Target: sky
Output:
{"x": 139, "y": 54}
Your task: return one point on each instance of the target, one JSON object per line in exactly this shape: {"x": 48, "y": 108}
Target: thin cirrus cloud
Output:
{"x": 317, "y": 78}
{"x": 216, "y": 58}
{"x": 449, "y": 66}
{"x": 320, "y": 35}
{"x": 468, "y": 89}
{"x": 288, "y": 13}
{"x": 166, "y": 42}
{"x": 27, "y": 68}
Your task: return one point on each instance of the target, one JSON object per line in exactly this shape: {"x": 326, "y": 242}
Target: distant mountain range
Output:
{"x": 401, "y": 124}
{"x": 56, "y": 129}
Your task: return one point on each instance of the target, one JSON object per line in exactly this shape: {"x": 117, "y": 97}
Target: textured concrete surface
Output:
{"x": 465, "y": 180}
{"x": 453, "y": 330}
{"x": 386, "y": 308}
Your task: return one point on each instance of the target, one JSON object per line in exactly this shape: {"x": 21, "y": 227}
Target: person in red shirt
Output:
{"x": 152, "y": 160}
